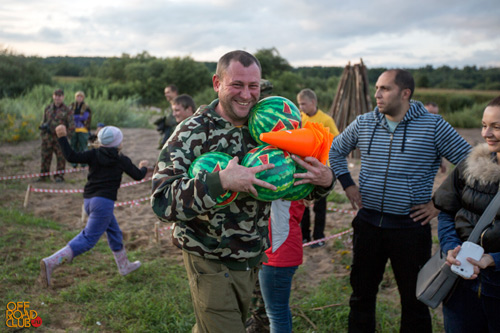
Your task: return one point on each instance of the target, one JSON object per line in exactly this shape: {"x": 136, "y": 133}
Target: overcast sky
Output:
{"x": 385, "y": 33}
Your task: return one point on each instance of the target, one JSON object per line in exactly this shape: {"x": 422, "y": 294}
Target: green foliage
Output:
{"x": 450, "y": 100}
{"x": 287, "y": 84}
{"x": 146, "y": 76}
{"x": 19, "y": 74}
{"x": 205, "y": 97}
{"x": 120, "y": 113}
{"x": 469, "y": 117}
{"x": 337, "y": 197}
{"x": 456, "y": 103}
{"x": 271, "y": 62}
{"x": 21, "y": 116}
{"x": 71, "y": 66}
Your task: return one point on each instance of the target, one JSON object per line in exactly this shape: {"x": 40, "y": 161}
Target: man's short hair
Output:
{"x": 243, "y": 57}
{"x": 59, "y": 92}
{"x": 173, "y": 88}
{"x": 186, "y": 101}
{"x": 404, "y": 80}
{"x": 308, "y": 93}
{"x": 495, "y": 102}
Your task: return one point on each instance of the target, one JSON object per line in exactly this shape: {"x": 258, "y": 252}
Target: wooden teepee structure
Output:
{"x": 352, "y": 97}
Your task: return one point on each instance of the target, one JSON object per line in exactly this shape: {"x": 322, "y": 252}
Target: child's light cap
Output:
{"x": 110, "y": 136}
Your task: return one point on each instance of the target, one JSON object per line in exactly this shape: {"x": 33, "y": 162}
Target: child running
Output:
{"x": 106, "y": 166}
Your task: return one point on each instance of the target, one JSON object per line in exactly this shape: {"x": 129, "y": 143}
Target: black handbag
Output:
{"x": 436, "y": 280}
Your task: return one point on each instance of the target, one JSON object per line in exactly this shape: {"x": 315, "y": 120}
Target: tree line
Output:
{"x": 144, "y": 76}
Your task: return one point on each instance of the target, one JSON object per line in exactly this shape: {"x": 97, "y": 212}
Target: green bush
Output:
{"x": 21, "y": 116}
{"x": 204, "y": 97}
{"x": 459, "y": 102}
{"x": 469, "y": 117}
{"x": 19, "y": 74}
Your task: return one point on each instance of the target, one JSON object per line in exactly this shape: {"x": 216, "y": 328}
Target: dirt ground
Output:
{"x": 138, "y": 221}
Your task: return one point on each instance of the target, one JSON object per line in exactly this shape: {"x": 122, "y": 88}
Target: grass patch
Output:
{"x": 338, "y": 198}
{"x": 16, "y": 217}
{"x": 89, "y": 292}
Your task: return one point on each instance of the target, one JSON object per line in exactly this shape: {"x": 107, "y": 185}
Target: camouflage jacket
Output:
{"x": 54, "y": 116}
{"x": 236, "y": 234}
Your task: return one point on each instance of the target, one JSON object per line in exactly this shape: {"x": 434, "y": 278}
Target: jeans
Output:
{"x": 466, "y": 312}
{"x": 101, "y": 220}
{"x": 275, "y": 285}
{"x": 408, "y": 250}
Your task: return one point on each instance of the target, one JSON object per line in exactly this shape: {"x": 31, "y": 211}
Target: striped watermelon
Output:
{"x": 280, "y": 176}
{"x": 272, "y": 114}
{"x": 300, "y": 191}
{"x": 213, "y": 162}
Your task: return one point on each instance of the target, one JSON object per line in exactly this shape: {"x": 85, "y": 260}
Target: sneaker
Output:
{"x": 305, "y": 240}
{"x": 319, "y": 244}
{"x": 59, "y": 180}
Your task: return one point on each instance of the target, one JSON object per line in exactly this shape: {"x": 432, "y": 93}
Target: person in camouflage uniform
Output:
{"x": 222, "y": 246}
{"x": 166, "y": 124}
{"x": 55, "y": 114}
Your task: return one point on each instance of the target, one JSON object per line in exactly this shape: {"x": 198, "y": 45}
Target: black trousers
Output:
{"x": 408, "y": 250}
{"x": 319, "y": 221}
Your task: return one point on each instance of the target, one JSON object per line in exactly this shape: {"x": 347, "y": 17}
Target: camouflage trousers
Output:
{"x": 51, "y": 146}
{"x": 258, "y": 321}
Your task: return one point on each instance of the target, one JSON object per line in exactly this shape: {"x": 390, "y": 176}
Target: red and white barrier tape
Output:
{"x": 164, "y": 229}
{"x": 51, "y": 190}
{"x": 352, "y": 212}
{"x": 131, "y": 202}
{"x": 327, "y": 238}
{"x": 136, "y": 182}
{"x": 33, "y": 175}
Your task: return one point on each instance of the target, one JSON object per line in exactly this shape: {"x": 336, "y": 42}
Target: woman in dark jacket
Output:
{"x": 474, "y": 304}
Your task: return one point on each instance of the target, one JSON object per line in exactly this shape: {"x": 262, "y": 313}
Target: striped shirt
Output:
{"x": 397, "y": 169}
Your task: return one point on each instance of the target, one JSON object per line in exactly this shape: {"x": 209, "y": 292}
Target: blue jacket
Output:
{"x": 397, "y": 169}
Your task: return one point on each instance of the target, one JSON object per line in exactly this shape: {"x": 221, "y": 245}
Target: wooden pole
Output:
{"x": 27, "y": 196}
{"x": 84, "y": 215}
{"x": 157, "y": 232}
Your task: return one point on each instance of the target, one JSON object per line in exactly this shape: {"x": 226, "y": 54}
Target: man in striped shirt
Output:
{"x": 401, "y": 147}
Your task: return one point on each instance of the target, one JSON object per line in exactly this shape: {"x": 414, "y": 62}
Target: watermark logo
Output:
{"x": 18, "y": 315}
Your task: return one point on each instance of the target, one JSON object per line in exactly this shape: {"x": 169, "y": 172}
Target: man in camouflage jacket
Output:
{"x": 57, "y": 113}
{"x": 222, "y": 246}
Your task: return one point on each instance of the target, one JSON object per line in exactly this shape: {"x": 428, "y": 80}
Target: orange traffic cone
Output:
{"x": 312, "y": 140}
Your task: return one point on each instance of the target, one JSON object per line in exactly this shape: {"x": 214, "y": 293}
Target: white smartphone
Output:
{"x": 468, "y": 250}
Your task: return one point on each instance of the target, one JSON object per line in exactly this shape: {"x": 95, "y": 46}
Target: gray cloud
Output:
{"x": 305, "y": 32}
